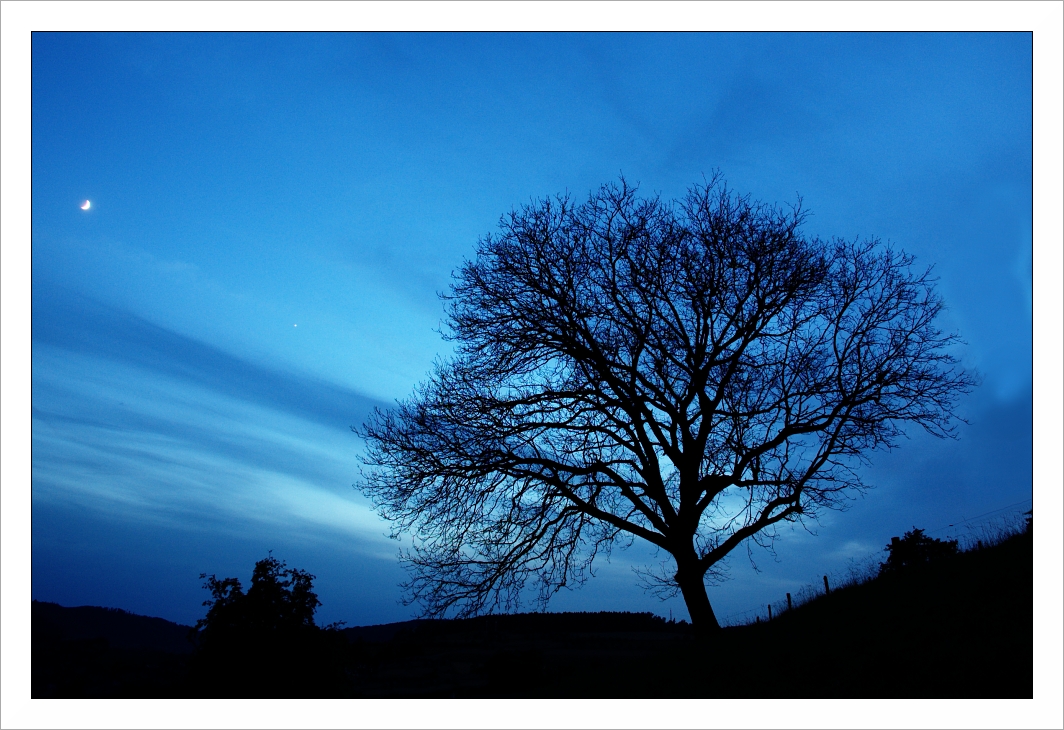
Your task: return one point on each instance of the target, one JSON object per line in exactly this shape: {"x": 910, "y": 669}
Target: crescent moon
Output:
{"x": 86, "y": 205}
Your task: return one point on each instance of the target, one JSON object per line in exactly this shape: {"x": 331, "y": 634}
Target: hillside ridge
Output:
{"x": 958, "y": 627}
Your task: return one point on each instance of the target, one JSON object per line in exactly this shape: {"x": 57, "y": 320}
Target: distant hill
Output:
{"x": 520, "y": 623}
{"x": 119, "y": 628}
{"x": 89, "y": 651}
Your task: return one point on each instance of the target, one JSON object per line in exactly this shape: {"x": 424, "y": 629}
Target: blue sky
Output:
{"x": 272, "y": 216}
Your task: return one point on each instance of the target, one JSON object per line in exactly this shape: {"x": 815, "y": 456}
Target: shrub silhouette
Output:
{"x": 264, "y": 643}
{"x": 280, "y": 600}
{"x": 915, "y": 548}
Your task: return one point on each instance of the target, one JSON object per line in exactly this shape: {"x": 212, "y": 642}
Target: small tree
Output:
{"x": 915, "y": 548}
{"x": 280, "y": 601}
{"x": 264, "y": 643}
{"x": 691, "y": 374}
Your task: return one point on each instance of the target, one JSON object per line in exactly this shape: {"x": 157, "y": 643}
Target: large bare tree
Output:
{"x": 690, "y": 373}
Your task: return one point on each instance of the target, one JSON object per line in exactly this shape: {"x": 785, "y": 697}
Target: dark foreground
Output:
{"x": 960, "y": 628}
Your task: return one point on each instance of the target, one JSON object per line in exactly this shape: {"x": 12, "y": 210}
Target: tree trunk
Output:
{"x": 694, "y": 595}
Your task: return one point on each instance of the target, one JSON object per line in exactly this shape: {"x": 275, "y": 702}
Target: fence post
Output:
{"x": 827, "y": 588}
{"x": 788, "y": 601}
{"x": 770, "y": 612}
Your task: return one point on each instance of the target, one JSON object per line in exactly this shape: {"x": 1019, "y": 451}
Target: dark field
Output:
{"x": 958, "y": 628}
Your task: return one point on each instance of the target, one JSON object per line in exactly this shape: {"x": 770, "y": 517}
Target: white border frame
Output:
{"x": 1045, "y": 19}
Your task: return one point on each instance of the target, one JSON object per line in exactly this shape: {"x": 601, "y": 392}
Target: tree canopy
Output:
{"x": 264, "y": 643}
{"x": 916, "y": 548}
{"x": 690, "y": 373}
{"x": 280, "y": 600}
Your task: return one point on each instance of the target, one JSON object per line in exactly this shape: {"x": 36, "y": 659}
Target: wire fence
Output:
{"x": 970, "y": 533}
{"x": 986, "y": 528}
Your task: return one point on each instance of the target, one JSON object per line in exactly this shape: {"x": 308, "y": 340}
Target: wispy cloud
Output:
{"x": 77, "y": 324}
{"x": 138, "y": 420}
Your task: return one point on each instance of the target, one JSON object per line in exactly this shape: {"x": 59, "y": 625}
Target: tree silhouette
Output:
{"x": 264, "y": 643}
{"x": 690, "y": 373}
{"x": 280, "y": 600}
{"x": 915, "y": 548}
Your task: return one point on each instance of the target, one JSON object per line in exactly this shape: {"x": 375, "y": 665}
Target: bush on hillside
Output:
{"x": 264, "y": 643}
{"x": 915, "y": 548}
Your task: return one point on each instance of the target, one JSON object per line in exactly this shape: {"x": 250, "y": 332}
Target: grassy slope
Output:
{"x": 961, "y": 628}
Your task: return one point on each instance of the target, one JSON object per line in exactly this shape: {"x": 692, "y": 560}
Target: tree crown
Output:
{"x": 916, "y": 548}
{"x": 690, "y": 373}
{"x": 279, "y": 600}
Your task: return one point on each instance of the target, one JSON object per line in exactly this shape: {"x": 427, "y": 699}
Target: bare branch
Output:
{"x": 689, "y": 373}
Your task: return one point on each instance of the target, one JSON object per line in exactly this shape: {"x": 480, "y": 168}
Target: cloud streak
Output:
{"x": 144, "y": 423}
{"x": 78, "y": 324}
